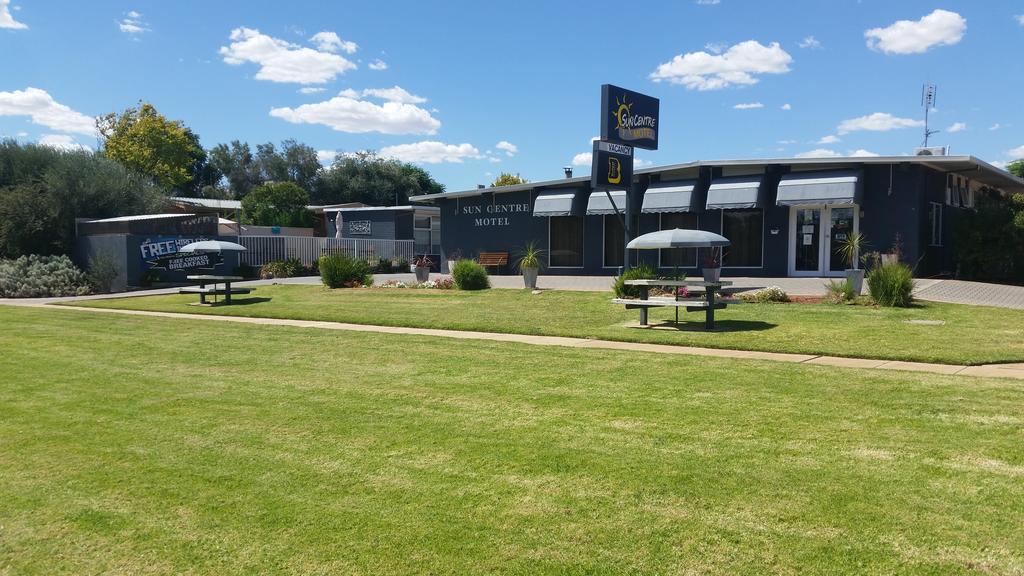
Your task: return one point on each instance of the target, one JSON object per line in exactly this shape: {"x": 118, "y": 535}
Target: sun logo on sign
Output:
{"x": 621, "y": 112}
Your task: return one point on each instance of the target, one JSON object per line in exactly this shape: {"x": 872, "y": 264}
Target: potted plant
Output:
{"x": 849, "y": 249}
{"x": 453, "y": 257}
{"x": 529, "y": 264}
{"x": 421, "y": 267}
{"x": 711, "y": 265}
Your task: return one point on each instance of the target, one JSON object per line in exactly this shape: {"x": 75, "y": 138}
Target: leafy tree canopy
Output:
{"x": 276, "y": 204}
{"x": 146, "y": 141}
{"x": 368, "y": 178}
{"x": 1016, "y": 168}
{"x": 508, "y": 179}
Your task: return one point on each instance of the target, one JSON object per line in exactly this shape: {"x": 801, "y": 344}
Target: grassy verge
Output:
{"x": 149, "y": 445}
{"x": 969, "y": 335}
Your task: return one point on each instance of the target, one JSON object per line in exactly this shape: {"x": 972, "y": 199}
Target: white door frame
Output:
{"x": 824, "y": 239}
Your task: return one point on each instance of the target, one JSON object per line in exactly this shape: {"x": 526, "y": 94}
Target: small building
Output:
{"x": 419, "y": 223}
{"x": 145, "y": 248}
{"x": 784, "y": 217}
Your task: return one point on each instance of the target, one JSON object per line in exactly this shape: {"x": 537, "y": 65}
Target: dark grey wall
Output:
{"x": 384, "y": 224}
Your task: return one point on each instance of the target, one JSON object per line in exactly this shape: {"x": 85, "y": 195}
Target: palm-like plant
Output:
{"x": 850, "y": 247}
{"x": 530, "y": 257}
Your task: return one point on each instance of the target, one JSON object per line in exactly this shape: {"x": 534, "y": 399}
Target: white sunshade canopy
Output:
{"x": 599, "y": 203}
{"x": 669, "y": 197}
{"x": 835, "y": 187}
{"x": 677, "y": 238}
{"x": 736, "y": 192}
{"x": 213, "y": 246}
{"x": 556, "y": 203}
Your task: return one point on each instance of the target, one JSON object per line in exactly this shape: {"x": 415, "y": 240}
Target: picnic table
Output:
{"x": 708, "y": 304}
{"x": 205, "y": 291}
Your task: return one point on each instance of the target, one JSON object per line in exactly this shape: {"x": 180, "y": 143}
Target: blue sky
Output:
{"x": 442, "y": 84}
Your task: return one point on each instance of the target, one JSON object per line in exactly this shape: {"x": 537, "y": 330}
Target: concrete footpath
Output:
{"x": 987, "y": 370}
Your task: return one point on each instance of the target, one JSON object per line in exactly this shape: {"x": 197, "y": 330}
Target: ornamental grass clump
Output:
{"x": 764, "y": 295}
{"x": 340, "y": 271}
{"x": 891, "y": 284}
{"x": 639, "y": 272}
{"x": 41, "y": 277}
{"x": 470, "y": 275}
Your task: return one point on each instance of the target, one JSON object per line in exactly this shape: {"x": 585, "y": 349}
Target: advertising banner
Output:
{"x": 629, "y": 117}
{"x": 611, "y": 167}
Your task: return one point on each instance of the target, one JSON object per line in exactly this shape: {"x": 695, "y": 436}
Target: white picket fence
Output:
{"x": 263, "y": 249}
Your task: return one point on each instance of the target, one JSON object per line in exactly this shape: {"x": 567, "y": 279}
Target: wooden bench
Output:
{"x": 493, "y": 259}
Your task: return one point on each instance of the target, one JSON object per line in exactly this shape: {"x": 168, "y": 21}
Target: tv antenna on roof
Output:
{"x": 928, "y": 92}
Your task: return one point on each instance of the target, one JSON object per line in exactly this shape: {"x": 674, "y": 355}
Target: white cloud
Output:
{"x": 786, "y": 106}
{"x": 739, "y": 65}
{"x": 1020, "y": 19}
{"x": 1017, "y": 153}
{"x": 877, "y": 122}
{"x": 45, "y": 111}
{"x": 941, "y": 27}
{"x": 748, "y": 106}
{"x": 641, "y": 163}
{"x": 326, "y": 157}
{"x": 394, "y": 94}
{"x": 995, "y": 126}
{"x": 582, "y": 159}
{"x": 786, "y": 142}
{"x": 378, "y": 64}
{"x": 509, "y": 148}
{"x": 810, "y": 42}
{"x": 830, "y": 139}
{"x": 282, "y": 61}
{"x": 61, "y": 142}
{"x": 999, "y": 164}
{"x": 716, "y": 47}
{"x": 349, "y": 93}
{"x": 330, "y": 42}
{"x": 347, "y": 114}
{"x": 311, "y": 90}
{"x": 818, "y": 153}
{"x": 862, "y": 153}
{"x": 8, "y": 21}
{"x": 431, "y": 152}
{"x": 132, "y": 23}
{"x": 708, "y": 2}
{"x": 957, "y": 127}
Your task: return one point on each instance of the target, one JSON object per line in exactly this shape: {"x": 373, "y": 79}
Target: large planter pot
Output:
{"x": 855, "y": 277}
{"x": 451, "y": 266}
{"x": 422, "y": 273}
{"x": 712, "y": 274}
{"x": 530, "y": 278}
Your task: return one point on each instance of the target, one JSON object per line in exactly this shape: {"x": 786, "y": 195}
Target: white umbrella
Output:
{"x": 217, "y": 246}
{"x": 677, "y": 238}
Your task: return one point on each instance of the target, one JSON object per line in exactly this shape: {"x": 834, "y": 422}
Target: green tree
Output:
{"x": 508, "y": 179}
{"x": 365, "y": 177}
{"x": 144, "y": 140}
{"x": 237, "y": 164}
{"x": 293, "y": 162}
{"x": 276, "y": 204}
{"x": 1016, "y": 168}
{"x": 43, "y": 190}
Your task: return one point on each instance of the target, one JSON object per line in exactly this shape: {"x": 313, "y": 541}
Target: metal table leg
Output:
{"x": 709, "y": 316}
{"x": 643, "y": 309}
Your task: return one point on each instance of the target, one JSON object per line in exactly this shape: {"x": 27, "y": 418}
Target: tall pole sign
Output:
{"x": 628, "y": 120}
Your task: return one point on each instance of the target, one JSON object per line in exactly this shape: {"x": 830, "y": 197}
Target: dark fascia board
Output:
{"x": 958, "y": 164}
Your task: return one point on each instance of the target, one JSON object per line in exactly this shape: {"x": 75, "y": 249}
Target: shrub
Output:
{"x": 769, "y": 294}
{"x": 102, "y": 272}
{"x": 383, "y": 266}
{"x": 339, "y": 270}
{"x": 839, "y": 292}
{"x": 638, "y": 272}
{"x": 41, "y": 277}
{"x": 891, "y": 284}
{"x": 282, "y": 269}
{"x": 470, "y": 275}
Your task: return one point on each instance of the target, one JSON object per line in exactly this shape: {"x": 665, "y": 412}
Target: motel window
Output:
{"x": 935, "y": 221}
{"x": 565, "y": 249}
{"x": 614, "y": 241}
{"x": 745, "y": 231}
{"x": 681, "y": 257}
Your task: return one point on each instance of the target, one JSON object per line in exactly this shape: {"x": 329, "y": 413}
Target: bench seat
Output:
{"x": 216, "y": 291}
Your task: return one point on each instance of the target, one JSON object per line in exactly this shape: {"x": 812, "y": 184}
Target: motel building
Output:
{"x": 784, "y": 217}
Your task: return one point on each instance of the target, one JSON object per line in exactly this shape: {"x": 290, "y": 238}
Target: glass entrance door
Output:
{"x": 840, "y": 227}
{"x": 806, "y": 241}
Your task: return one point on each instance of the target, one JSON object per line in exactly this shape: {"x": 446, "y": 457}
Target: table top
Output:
{"x": 678, "y": 283}
{"x": 218, "y": 278}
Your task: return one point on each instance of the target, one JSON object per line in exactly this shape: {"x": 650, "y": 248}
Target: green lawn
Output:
{"x": 149, "y": 445}
{"x": 970, "y": 335}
